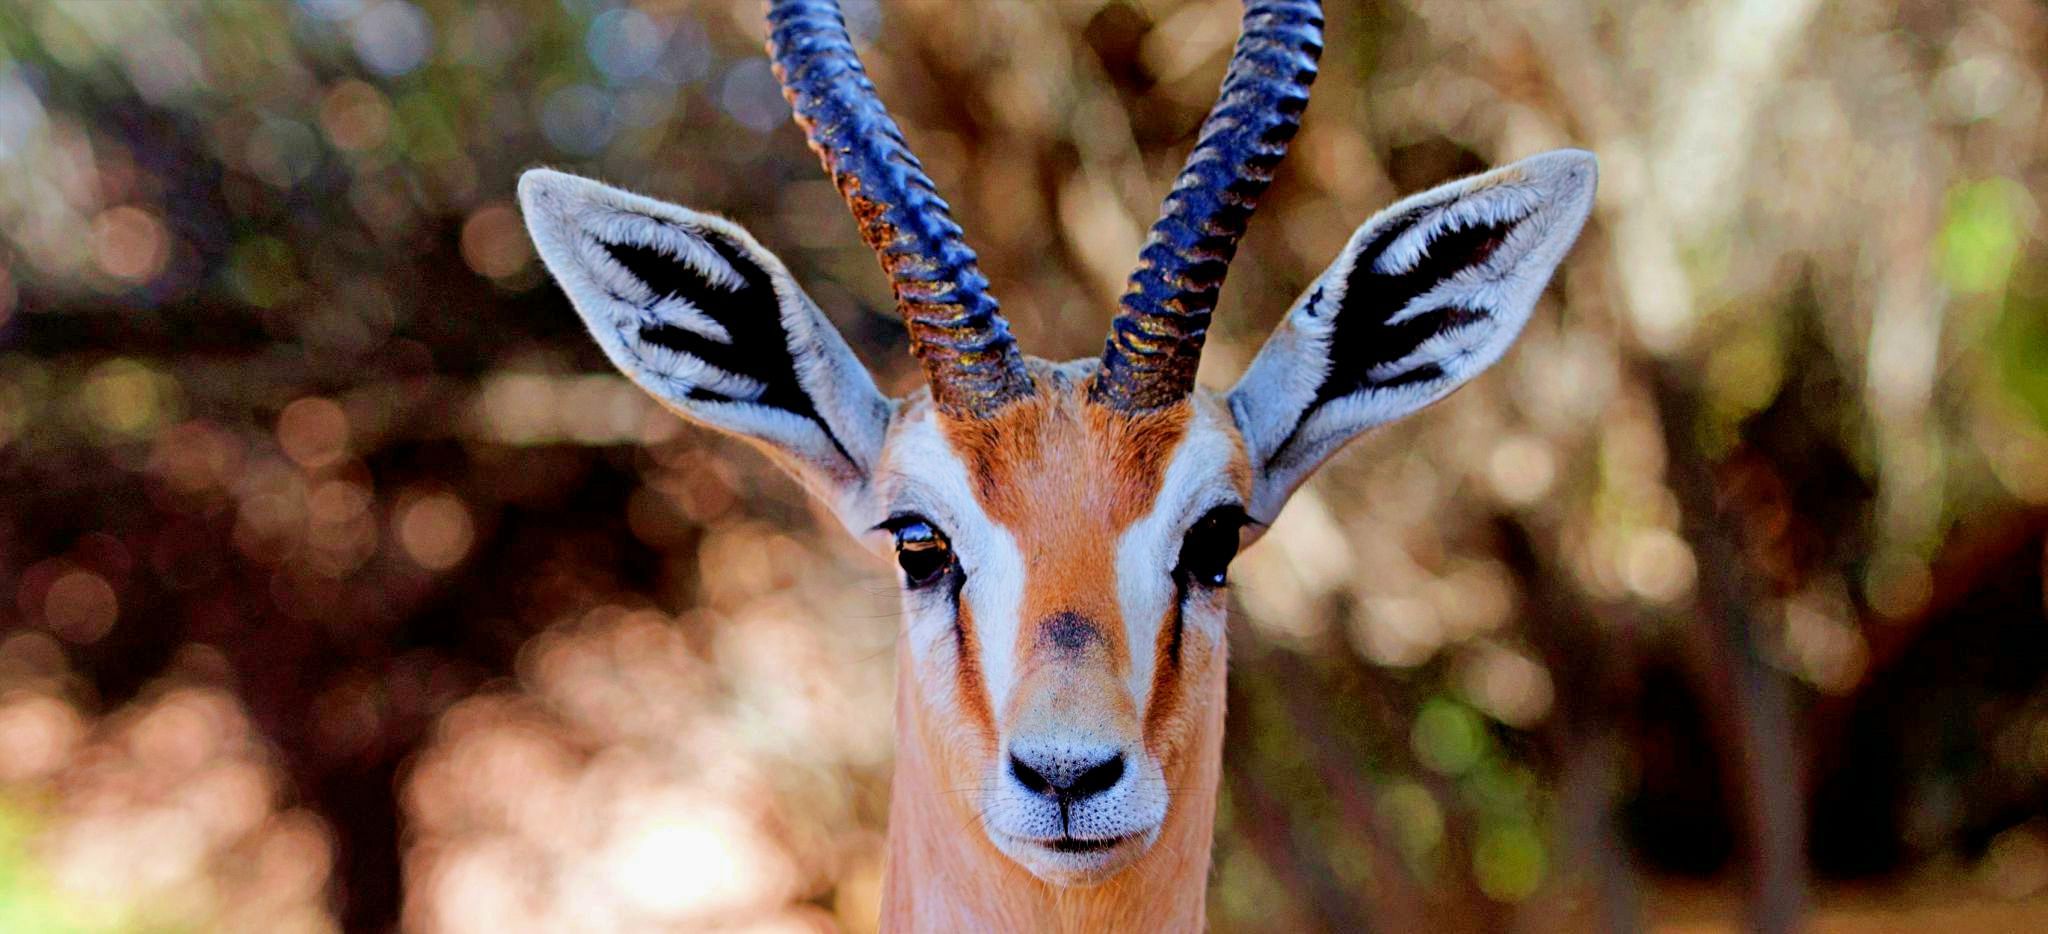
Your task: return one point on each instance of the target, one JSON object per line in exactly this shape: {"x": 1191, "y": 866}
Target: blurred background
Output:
{"x": 344, "y": 586}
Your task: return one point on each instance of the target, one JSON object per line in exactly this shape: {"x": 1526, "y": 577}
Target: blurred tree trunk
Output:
{"x": 1755, "y": 731}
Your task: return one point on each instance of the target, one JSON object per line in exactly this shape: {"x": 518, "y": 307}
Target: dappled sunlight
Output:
{"x": 167, "y": 812}
{"x": 645, "y": 779}
{"x": 344, "y": 584}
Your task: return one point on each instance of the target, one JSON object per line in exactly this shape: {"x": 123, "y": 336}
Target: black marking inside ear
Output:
{"x": 1363, "y": 341}
{"x": 750, "y": 313}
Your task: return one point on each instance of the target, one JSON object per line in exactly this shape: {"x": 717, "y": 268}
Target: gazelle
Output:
{"x": 1063, "y": 530}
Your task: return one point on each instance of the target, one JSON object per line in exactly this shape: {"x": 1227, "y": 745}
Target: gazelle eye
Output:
{"x": 1206, "y": 551}
{"x": 921, "y": 551}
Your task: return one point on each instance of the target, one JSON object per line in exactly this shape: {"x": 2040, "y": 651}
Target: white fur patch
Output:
{"x": 1499, "y": 203}
{"x": 925, "y": 477}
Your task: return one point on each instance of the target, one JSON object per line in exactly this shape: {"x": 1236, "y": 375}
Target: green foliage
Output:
{"x": 2019, "y": 343}
{"x": 1449, "y": 737}
{"x": 30, "y": 901}
{"x": 1981, "y": 236}
{"x": 1508, "y": 861}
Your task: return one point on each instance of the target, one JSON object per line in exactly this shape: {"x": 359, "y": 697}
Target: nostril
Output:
{"x": 1066, "y": 775}
{"x": 1097, "y": 778}
{"x": 1030, "y": 778}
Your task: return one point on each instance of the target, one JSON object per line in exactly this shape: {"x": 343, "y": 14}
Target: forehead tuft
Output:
{"x": 1055, "y": 448}
{"x": 1055, "y": 451}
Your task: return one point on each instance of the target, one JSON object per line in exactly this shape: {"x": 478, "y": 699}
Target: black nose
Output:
{"x": 1064, "y": 775}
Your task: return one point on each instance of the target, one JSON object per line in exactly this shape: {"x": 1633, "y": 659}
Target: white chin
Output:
{"x": 1075, "y": 862}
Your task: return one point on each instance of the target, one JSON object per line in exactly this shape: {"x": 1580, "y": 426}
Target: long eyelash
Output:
{"x": 897, "y": 521}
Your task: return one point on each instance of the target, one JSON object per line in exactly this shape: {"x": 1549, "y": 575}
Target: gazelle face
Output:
{"x": 1064, "y": 569}
{"x": 1063, "y": 532}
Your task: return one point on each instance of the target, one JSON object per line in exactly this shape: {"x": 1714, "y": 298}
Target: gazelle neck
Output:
{"x": 943, "y": 874}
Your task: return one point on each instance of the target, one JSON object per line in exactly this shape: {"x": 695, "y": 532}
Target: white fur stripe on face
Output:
{"x": 926, "y": 477}
{"x": 1197, "y": 480}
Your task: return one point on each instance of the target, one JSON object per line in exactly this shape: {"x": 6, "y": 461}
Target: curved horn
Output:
{"x": 1155, "y": 342}
{"x": 969, "y": 357}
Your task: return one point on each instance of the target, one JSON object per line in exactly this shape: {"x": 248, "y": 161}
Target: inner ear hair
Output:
{"x": 748, "y": 338}
{"x": 1378, "y": 318}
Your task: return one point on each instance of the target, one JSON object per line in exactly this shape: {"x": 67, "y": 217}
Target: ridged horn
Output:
{"x": 1155, "y": 342}
{"x": 970, "y": 360}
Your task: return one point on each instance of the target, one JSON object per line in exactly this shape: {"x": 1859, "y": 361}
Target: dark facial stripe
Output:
{"x": 1164, "y": 698}
{"x": 1175, "y": 627}
{"x": 968, "y": 682}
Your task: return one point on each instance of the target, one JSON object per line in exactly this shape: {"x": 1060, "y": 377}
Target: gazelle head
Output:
{"x": 1063, "y": 531}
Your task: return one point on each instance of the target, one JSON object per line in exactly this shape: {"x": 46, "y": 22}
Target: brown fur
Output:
{"x": 1065, "y": 478}
{"x": 971, "y": 688}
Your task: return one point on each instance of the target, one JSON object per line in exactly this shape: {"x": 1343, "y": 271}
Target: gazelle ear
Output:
{"x": 1427, "y": 295}
{"x": 693, "y": 310}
